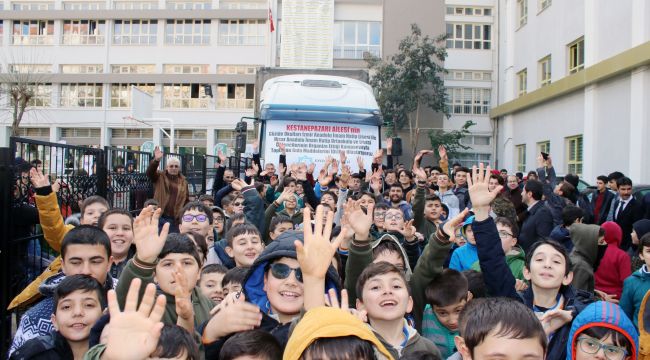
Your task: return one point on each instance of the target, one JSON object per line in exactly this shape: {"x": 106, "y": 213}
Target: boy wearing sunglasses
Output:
{"x": 272, "y": 295}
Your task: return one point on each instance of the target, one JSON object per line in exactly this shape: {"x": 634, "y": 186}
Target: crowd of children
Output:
{"x": 382, "y": 263}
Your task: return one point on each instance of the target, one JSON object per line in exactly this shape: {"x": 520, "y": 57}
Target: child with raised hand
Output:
{"x": 548, "y": 268}
{"x": 172, "y": 262}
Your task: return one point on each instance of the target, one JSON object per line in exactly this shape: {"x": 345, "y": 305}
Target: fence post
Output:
{"x": 102, "y": 173}
{"x": 6, "y": 262}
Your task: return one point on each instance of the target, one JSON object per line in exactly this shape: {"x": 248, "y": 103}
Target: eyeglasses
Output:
{"x": 172, "y": 166}
{"x": 380, "y": 214}
{"x": 199, "y": 218}
{"x": 218, "y": 218}
{"x": 238, "y": 204}
{"x": 282, "y": 271}
{"x": 505, "y": 234}
{"x": 393, "y": 217}
{"x": 591, "y": 346}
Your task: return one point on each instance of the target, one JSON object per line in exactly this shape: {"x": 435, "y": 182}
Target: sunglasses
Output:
{"x": 282, "y": 271}
{"x": 238, "y": 204}
{"x": 199, "y": 218}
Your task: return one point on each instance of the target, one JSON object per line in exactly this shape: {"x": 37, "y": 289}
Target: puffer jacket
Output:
{"x": 602, "y": 314}
{"x": 615, "y": 266}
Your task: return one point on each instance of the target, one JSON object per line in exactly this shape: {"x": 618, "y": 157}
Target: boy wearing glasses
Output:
{"x": 602, "y": 331}
{"x": 515, "y": 257}
{"x": 197, "y": 218}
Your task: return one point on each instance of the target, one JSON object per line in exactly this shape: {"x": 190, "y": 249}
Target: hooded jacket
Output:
{"x": 327, "y": 322}
{"x": 584, "y": 255}
{"x": 602, "y": 314}
{"x": 49, "y": 347}
{"x": 463, "y": 257}
{"x": 614, "y": 268}
{"x": 37, "y": 320}
{"x": 414, "y": 342}
{"x": 634, "y": 289}
{"x": 644, "y": 328}
{"x": 561, "y": 234}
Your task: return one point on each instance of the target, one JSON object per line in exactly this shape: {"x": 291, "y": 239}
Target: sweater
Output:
{"x": 634, "y": 289}
{"x": 440, "y": 335}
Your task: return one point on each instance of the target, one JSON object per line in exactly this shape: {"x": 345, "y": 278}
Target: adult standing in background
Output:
{"x": 170, "y": 188}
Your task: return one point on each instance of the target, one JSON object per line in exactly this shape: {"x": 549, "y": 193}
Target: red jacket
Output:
{"x": 615, "y": 266}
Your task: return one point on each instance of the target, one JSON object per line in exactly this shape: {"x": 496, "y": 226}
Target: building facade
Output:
{"x": 574, "y": 82}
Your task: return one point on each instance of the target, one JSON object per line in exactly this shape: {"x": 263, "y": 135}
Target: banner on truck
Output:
{"x": 311, "y": 142}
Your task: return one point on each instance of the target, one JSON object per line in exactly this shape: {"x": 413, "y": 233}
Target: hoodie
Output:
{"x": 602, "y": 314}
{"x": 37, "y": 321}
{"x": 634, "y": 289}
{"x": 615, "y": 266}
{"x": 584, "y": 255}
{"x": 413, "y": 342}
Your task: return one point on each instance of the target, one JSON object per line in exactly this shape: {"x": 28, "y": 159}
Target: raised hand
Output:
{"x": 134, "y": 332}
{"x": 284, "y": 195}
{"x": 250, "y": 172}
{"x": 419, "y": 173}
{"x": 379, "y": 154}
{"x": 362, "y": 221}
{"x": 183, "y": 299}
{"x": 232, "y": 315}
{"x": 239, "y": 184}
{"x": 555, "y": 319}
{"x": 408, "y": 231}
{"x": 146, "y": 238}
{"x": 38, "y": 179}
{"x": 345, "y": 176}
{"x": 256, "y": 145}
{"x": 479, "y": 192}
{"x": 442, "y": 151}
{"x": 331, "y": 300}
{"x": 335, "y": 168}
{"x": 375, "y": 184}
{"x": 342, "y": 157}
{"x": 311, "y": 168}
{"x": 157, "y": 154}
{"x": 360, "y": 163}
{"x": 389, "y": 146}
{"x": 315, "y": 255}
{"x": 222, "y": 158}
{"x": 283, "y": 148}
{"x": 301, "y": 173}
{"x": 451, "y": 225}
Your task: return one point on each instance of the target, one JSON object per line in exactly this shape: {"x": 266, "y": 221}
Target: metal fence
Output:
{"x": 75, "y": 172}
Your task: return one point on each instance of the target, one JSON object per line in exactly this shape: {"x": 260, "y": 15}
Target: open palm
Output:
{"x": 478, "y": 189}
{"x": 147, "y": 240}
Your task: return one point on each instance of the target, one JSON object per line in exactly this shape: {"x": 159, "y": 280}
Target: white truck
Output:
{"x": 316, "y": 116}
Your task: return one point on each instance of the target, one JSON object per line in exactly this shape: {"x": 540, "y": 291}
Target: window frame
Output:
{"x": 95, "y": 100}
{"x": 543, "y": 5}
{"x": 469, "y": 98}
{"x": 150, "y": 37}
{"x": 341, "y": 48}
{"x": 256, "y": 29}
{"x": 174, "y": 96}
{"x": 205, "y": 25}
{"x": 576, "y": 144}
{"x": 44, "y": 36}
{"x": 520, "y": 160}
{"x": 544, "y": 146}
{"x": 88, "y": 37}
{"x": 236, "y": 102}
{"x": 543, "y": 81}
{"x": 458, "y": 33}
{"x": 522, "y": 12}
{"x": 120, "y": 93}
{"x": 579, "y": 46}
{"x": 522, "y": 82}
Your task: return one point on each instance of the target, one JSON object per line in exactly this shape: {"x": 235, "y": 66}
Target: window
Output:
{"x": 82, "y": 69}
{"x": 471, "y": 159}
{"x": 34, "y": 132}
{"x": 522, "y": 9}
{"x": 235, "y": 96}
{"x": 244, "y": 5}
{"x": 468, "y": 11}
{"x": 80, "y": 132}
{"x": 186, "y": 69}
{"x": 469, "y": 36}
{"x": 132, "y": 133}
{"x": 189, "y": 5}
{"x": 121, "y": 93}
{"x": 574, "y": 155}
{"x": 468, "y": 75}
{"x": 352, "y": 39}
{"x": 545, "y": 71}
{"x": 84, "y": 32}
{"x": 33, "y": 32}
{"x": 42, "y": 95}
{"x": 543, "y": 4}
{"x": 187, "y": 32}
{"x": 135, "y": 32}
{"x": 237, "y": 69}
{"x": 30, "y": 69}
{"x": 81, "y": 95}
{"x": 521, "y": 157}
{"x": 84, "y": 5}
{"x": 544, "y": 147}
{"x": 133, "y": 69}
{"x": 577, "y": 55}
{"x": 469, "y": 101}
{"x": 185, "y": 96}
{"x": 135, "y": 5}
{"x": 228, "y": 137}
{"x": 242, "y": 32}
{"x": 475, "y": 140}
{"x": 187, "y": 134}
{"x": 522, "y": 82}
{"x": 33, "y": 6}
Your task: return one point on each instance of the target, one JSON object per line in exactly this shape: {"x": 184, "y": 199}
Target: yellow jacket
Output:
{"x": 53, "y": 230}
{"x": 644, "y": 329}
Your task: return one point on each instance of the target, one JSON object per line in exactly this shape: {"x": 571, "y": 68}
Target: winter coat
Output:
{"x": 414, "y": 343}
{"x": 602, "y": 314}
{"x": 614, "y": 268}
{"x": 607, "y": 199}
{"x": 271, "y": 212}
{"x": 53, "y": 231}
{"x": 217, "y": 255}
{"x": 423, "y": 225}
{"x": 37, "y": 320}
{"x": 584, "y": 255}
{"x": 464, "y": 257}
{"x": 162, "y": 181}
{"x": 644, "y": 328}
{"x": 537, "y": 225}
{"x": 561, "y": 234}
{"x": 451, "y": 200}
{"x": 554, "y": 202}
{"x": 634, "y": 289}
{"x": 52, "y": 346}
{"x": 440, "y": 335}
{"x": 463, "y": 198}
{"x": 500, "y": 282}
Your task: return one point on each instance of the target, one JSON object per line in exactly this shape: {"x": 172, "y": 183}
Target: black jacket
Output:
{"x": 604, "y": 208}
{"x": 48, "y": 347}
{"x": 537, "y": 226}
{"x": 633, "y": 211}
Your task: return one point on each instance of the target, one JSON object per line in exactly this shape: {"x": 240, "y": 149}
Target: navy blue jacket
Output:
{"x": 537, "y": 226}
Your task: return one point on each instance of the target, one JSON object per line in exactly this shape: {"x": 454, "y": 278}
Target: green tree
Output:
{"x": 410, "y": 80}
{"x": 451, "y": 139}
